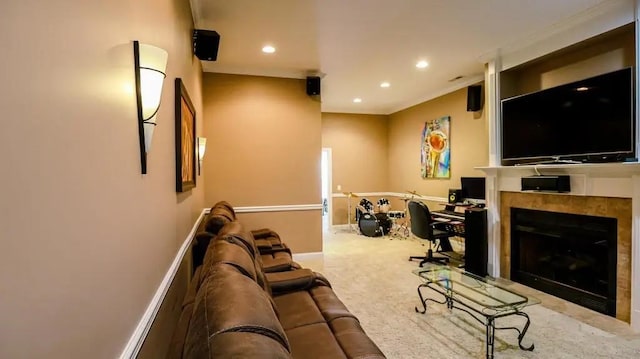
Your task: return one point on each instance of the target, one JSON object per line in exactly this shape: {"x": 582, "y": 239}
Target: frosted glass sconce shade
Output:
{"x": 150, "y": 64}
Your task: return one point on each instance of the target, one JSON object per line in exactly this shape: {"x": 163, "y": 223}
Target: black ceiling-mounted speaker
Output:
{"x": 313, "y": 85}
{"x": 474, "y": 98}
{"x": 205, "y": 44}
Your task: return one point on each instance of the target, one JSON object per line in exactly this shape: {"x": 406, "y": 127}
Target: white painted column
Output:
{"x": 635, "y": 211}
{"x": 635, "y": 255}
{"x": 492, "y": 82}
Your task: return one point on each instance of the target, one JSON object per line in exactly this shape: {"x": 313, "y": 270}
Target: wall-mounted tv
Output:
{"x": 591, "y": 120}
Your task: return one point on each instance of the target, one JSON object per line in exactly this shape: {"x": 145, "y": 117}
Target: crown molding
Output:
{"x": 473, "y": 79}
{"x": 597, "y": 19}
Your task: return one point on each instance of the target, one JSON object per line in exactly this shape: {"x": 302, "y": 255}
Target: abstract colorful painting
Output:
{"x": 435, "y": 156}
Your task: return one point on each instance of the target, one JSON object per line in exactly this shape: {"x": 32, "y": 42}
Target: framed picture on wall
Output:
{"x": 435, "y": 153}
{"x": 185, "y": 139}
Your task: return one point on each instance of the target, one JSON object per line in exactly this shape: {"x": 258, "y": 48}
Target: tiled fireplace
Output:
{"x": 615, "y": 212}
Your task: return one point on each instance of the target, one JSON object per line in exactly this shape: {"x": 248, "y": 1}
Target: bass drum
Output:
{"x": 374, "y": 225}
{"x": 385, "y": 222}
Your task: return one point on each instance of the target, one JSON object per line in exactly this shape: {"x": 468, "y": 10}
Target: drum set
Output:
{"x": 384, "y": 222}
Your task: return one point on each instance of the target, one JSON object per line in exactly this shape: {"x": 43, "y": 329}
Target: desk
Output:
{"x": 480, "y": 297}
{"x": 450, "y": 221}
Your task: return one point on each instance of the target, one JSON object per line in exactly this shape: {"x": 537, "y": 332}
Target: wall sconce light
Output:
{"x": 202, "y": 146}
{"x": 150, "y": 63}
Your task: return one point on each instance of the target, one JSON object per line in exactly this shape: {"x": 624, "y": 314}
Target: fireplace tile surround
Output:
{"x": 606, "y": 189}
{"x": 619, "y": 208}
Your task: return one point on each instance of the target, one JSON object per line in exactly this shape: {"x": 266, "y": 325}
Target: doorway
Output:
{"x": 325, "y": 173}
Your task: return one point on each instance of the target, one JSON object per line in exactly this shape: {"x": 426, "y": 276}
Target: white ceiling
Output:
{"x": 357, "y": 44}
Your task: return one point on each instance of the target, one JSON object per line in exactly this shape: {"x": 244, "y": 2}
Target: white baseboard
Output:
{"x": 132, "y": 348}
{"x": 307, "y": 256}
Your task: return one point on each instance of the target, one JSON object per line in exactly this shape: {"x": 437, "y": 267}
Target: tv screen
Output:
{"x": 473, "y": 188}
{"x": 591, "y": 120}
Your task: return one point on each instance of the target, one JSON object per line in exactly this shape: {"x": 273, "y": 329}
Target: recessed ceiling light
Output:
{"x": 385, "y": 84}
{"x": 582, "y": 89}
{"x": 268, "y": 49}
{"x": 422, "y": 64}
{"x": 357, "y": 100}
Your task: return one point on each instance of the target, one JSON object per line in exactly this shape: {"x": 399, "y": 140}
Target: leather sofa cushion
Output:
{"x": 215, "y": 223}
{"x": 227, "y": 206}
{"x": 223, "y": 251}
{"x": 314, "y": 341}
{"x": 297, "y": 309}
{"x": 199, "y": 247}
{"x": 229, "y": 301}
{"x": 329, "y": 304}
{"x": 243, "y": 345}
{"x": 353, "y": 340}
{"x": 282, "y": 282}
{"x": 265, "y": 233}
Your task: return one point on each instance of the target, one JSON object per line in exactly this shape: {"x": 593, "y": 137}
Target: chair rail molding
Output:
{"x": 139, "y": 335}
{"x": 392, "y": 194}
{"x": 279, "y": 208}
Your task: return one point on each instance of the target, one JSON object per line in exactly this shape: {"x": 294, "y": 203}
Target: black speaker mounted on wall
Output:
{"x": 474, "y": 98}
{"x": 313, "y": 85}
{"x": 205, "y": 44}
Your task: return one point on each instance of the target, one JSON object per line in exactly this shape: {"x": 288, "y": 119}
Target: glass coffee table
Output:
{"x": 481, "y": 297}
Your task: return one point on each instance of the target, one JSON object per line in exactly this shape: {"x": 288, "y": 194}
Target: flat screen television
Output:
{"x": 591, "y": 120}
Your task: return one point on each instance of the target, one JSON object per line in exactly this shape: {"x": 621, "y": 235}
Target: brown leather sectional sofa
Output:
{"x": 235, "y": 309}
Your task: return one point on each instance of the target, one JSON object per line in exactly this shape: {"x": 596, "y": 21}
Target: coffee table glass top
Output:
{"x": 483, "y": 291}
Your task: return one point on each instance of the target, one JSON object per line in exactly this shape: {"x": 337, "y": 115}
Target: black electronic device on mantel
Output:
{"x": 546, "y": 183}
{"x": 590, "y": 120}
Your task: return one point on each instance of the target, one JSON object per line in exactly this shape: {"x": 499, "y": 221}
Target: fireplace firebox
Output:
{"x": 567, "y": 255}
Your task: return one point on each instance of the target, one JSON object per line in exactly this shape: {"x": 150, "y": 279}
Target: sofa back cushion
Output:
{"x": 224, "y": 250}
{"x": 226, "y": 206}
{"x": 230, "y": 307}
{"x": 217, "y": 218}
{"x": 235, "y": 232}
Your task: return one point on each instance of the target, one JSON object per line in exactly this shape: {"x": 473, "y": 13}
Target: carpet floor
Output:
{"x": 372, "y": 276}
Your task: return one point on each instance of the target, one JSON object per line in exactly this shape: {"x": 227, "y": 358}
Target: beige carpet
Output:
{"x": 373, "y": 278}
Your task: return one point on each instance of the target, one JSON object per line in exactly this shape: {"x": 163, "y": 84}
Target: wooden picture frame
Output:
{"x": 185, "y": 139}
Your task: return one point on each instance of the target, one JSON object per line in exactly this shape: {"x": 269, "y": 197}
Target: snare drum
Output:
{"x": 396, "y": 214}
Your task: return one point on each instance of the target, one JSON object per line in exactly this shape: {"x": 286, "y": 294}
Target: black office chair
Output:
{"x": 423, "y": 227}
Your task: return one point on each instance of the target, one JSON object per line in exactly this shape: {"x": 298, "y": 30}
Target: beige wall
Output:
{"x": 468, "y": 140}
{"x": 263, "y": 149}
{"x": 359, "y": 150}
{"x": 85, "y": 239}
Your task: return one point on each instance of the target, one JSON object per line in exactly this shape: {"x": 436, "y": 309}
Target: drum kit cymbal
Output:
{"x": 412, "y": 193}
{"x": 349, "y": 195}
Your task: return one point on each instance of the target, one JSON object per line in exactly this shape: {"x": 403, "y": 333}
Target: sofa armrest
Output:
{"x": 264, "y": 233}
{"x": 265, "y": 247}
{"x": 295, "y": 280}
